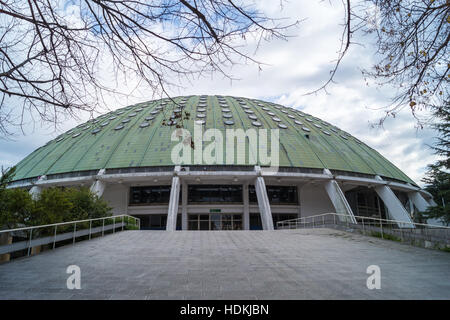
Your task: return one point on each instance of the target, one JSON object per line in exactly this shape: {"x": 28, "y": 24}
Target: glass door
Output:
{"x": 215, "y": 221}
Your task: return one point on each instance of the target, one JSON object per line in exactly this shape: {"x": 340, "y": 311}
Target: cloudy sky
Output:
{"x": 292, "y": 69}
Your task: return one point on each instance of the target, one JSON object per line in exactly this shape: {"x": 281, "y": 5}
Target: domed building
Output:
{"x": 222, "y": 163}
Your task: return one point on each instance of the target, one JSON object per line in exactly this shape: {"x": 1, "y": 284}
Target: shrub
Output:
{"x": 54, "y": 205}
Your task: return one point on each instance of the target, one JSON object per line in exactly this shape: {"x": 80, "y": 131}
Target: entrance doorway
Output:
{"x": 215, "y": 221}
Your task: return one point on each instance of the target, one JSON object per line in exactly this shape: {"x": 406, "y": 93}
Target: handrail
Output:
{"x": 416, "y": 234}
{"x": 69, "y": 222}
{"x": 365, "y": 218}
{"x": 44, "y": 239}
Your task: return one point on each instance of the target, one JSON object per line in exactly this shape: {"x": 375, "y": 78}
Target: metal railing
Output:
{"x": 403, "y": 231}
{"x": 26, "y": 238}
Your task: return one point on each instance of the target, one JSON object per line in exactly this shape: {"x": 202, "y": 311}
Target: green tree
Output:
{"x": 5, "y": 178}
{"x": 87, "y": 205}
{"x": 438, "y": 176}
{"x": 439, "y": 186}
{"x": 52, "y": 206}
{"x": 17, "y": 208}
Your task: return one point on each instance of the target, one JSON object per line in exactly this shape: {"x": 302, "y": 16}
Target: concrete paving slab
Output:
{"x": 288, "y": 264}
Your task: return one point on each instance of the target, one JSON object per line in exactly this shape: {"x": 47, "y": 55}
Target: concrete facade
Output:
{"x": 317, "y": 193}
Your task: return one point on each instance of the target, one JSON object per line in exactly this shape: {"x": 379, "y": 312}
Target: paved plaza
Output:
{"x": 288, "y": 264}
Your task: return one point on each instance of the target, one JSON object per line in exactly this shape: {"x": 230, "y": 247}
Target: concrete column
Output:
{"x": 246, "y": 211}
{"x": 339, "y": 201}
{"x": 419, "y": 202}
{"x": 173, "y": 201}
{"x": 422, "y": 205}
{"x": 184, "y": 214}
{"x": 36, "y": 190}
{"x": 98, "y": 186}
{"x": 432, "y": 202}
{"x": 395, "y": 208}
{"x": 263, "y": 201}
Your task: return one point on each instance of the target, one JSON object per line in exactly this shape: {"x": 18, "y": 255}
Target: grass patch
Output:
{"x": 131, "y": 227}
{"x": 385, "y": 236}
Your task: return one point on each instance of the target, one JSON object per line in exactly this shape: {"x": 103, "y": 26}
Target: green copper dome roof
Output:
{"x": 139, "y": 136}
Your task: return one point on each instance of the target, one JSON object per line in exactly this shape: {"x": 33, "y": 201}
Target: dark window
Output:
{"x": 215, "y": 193}
{"x": 145, "y": 221}
{"x": 156, "y": 221}
{"x": 149, "y": 195}
{"x": 255, "y": 222}
{"x": 276, "y": 217}
{"x": 276, "y": 194}
{"x": 252, "y": 194}
{"x": 365, "y": 202}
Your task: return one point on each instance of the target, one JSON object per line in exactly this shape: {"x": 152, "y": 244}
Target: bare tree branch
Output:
{"x": 52, "y": 58}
